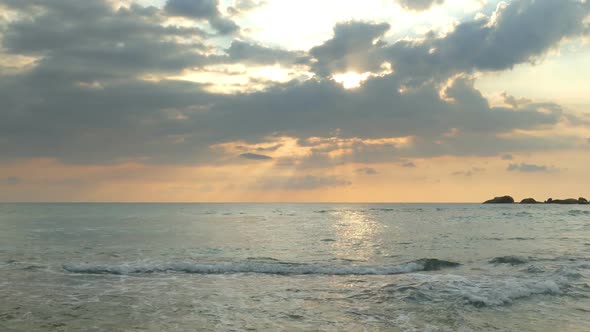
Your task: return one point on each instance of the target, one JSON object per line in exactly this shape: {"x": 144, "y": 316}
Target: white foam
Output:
{"x": 479, "y": 291}
{"x": 503, "y": 293}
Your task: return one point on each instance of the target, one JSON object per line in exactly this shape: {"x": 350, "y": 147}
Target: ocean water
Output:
{"x": 294, "y": 267}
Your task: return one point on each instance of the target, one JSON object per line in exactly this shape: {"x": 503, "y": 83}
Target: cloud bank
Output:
{"x": 105, "y": 84}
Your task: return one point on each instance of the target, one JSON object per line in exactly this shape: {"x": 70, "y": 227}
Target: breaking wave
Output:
{"x": 477, "y": 292}
{"x": 261, "y": 268}
{"x": 507, "y": 292}
{"x": 569, "y": 279}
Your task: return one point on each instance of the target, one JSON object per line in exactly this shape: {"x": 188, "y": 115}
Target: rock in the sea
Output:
{"x": 529, "y": 201}
{"x": 571, "y": 201}
{"x": 501, "y": 200}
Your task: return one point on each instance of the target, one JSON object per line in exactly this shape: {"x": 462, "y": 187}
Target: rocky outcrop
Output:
{"x": 571, "y": 201}
{"x": 501, "y": 200}
{"x": 510, "y": 200}
{"x": 565, "y": 201}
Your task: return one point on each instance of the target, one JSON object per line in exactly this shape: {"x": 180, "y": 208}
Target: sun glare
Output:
{"x": 351, "y": 80}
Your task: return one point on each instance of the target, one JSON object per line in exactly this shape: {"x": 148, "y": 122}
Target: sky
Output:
{"x": 293, "y": 100}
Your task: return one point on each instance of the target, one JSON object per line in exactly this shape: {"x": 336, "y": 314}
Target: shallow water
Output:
{"x": 281, "y": 267}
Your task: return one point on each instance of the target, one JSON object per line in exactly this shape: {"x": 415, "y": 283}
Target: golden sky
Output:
{"x": 293, "y": 101}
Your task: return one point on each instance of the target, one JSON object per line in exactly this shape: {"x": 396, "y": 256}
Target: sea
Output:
{"x": 294, "y": 267}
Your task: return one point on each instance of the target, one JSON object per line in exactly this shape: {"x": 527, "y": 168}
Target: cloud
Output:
{"x": 308, "y": 182}
{"x": 468, "y": 173}
{"x": 408, "y": 164}
{"x": 418, "y": 4}
{"x": 270, "y": 148}
{"x": 192, "y": 8}
{"x": 202, "y": 9}
{"x": 248, "y": 53}
{"x": 515, "y": 33}
{"x": 315, "y": 108}
{"x": 254, "y": 156}
{"x": 98, "y": 92}
{"x": 130, "y": 120}
{"x": 249, "y": 4}
{"x": 10, "y": 181}
{"x": 530, "y": 168}
{"x": 367, "y": 171}
{"x": 352, "y": 48}
{"x": 241, "y": 6}
{"x": 76, "y": 46}
{"x": 224, "y": 25}
{"x": 462, "y": 173}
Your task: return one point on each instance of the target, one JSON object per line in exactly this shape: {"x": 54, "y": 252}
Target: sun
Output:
{"x": 351, "y": 80}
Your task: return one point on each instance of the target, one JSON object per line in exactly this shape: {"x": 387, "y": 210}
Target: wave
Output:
{"x": 382, "y": 209}
{"x": 566, "y": 279}
{"x": 508, "y": 292}
{"x": 578, "y": 212}
{"x": 261, "y": 268}
{"x": 474, "y": 291}
{"x": 512, "y": 260}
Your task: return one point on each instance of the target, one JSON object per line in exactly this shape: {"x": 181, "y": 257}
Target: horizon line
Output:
{"x": 235, "y": 202}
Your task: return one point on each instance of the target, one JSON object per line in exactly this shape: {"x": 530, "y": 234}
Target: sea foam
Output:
{"x": 508, "y": 291}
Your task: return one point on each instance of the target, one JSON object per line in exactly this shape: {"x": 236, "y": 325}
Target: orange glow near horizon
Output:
{"x": 443, "y": 179}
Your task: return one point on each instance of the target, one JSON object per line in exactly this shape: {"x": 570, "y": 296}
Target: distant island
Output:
{"x": 510, "y": 200}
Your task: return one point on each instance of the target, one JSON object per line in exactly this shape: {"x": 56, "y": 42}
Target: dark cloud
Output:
{"x": 515, "y": 33}
{"x": 254, "y": 156}
{"x": 224, "y": 25}
{"x": 248, "y": 53}
{"x": 108, "y": 44}
{"x": 530, "y": 168}
{"x": 378, "y": 110}
{"x": 409, "y": 164}
{"x": 86, "y": 99}
{"x": 10, "y": 181}
{"x": 127, "y": 121}
{"x": 419, "y": 4}
{"x": 354, "y": 47}
{"x": 518, "y": 32}
{"x": 202, "y": 9}
{"x": 507, "y": 157}
{"x": 192, "y": 8}
{"x": 308, "y": 182}
{"x": 367, "y": 171}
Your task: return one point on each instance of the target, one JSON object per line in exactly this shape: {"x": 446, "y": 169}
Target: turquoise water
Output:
{"x": 294, "y": 267}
